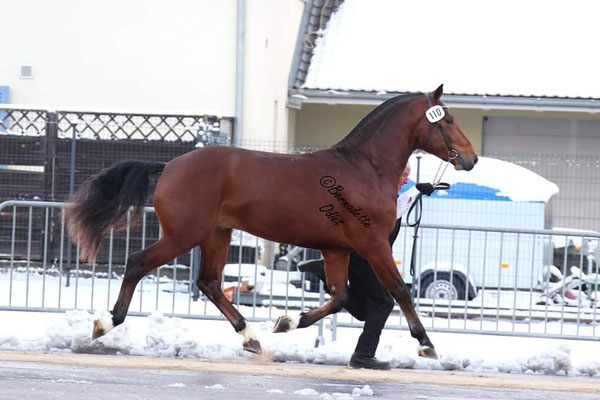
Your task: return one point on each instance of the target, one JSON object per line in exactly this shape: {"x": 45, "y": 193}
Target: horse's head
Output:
{"x": 439, "y": 134}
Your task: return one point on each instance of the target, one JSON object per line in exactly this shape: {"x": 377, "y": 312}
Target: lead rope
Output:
{"x": 417, "y": 207}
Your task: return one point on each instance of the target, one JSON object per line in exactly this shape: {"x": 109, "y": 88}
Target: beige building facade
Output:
{"x": 153, "y": 56}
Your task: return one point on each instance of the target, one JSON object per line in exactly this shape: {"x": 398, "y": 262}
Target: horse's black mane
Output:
{"x": 358, "y": 130}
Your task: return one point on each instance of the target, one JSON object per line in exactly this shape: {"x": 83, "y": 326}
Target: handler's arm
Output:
{"x": 405, "y": 200}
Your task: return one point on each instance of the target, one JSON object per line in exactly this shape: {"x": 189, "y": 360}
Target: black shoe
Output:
{"x": 357, "y": 361}
{"x": 316, "y": 267}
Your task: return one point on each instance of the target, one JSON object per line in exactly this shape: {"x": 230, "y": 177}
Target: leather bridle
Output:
{"x": 452, "y": 154}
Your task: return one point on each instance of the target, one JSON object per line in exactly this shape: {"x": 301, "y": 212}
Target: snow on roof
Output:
{"x": 536, "y": 48}
{"x": 505, "y": 178}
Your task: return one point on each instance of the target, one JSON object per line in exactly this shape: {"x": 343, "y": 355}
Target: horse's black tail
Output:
{"x": 102, "y": 202}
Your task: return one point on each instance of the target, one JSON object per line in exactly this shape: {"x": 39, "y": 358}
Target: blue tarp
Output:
{"x": 465, "y": 191}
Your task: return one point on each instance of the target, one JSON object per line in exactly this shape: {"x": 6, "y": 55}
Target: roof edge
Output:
{"x": 297, "y": 97}
{"x": 315, "y": 18}
{"x": 302, "y": 29}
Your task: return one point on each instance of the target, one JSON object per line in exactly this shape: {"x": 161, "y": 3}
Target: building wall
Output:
{"x": 563, "y": 150}
{"x": 321, "y": 125}
{"x": 154, "y": 56}
{"x": 176, "y": 55}
{"x": 271, "y": 32}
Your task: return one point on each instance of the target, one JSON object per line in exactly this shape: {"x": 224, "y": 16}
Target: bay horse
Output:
{"x": 335, "y": 200}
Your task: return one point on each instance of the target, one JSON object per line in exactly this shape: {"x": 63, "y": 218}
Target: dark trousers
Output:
{"x": 366, "y": 300}
{"x": 369, "y": 301}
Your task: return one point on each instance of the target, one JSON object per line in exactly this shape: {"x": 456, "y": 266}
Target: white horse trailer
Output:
{"x": 495, "y": 195}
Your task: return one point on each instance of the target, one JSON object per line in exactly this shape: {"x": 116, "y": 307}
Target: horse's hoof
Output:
{"x": 101, "y": 327}
{"x": 253, "y": 346}
{"x": 427, "y": 352}
{"x": 284, "y": 324}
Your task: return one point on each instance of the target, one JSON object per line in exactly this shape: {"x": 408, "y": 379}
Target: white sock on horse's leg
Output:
{"x": 427, "y": 352}
{"x": 293, "y": 323}
{"x": 285, "y": 323}
{"x": 248, "y": 334}
{"x": 251, "y": 342}
{"x": 102, "y": 326}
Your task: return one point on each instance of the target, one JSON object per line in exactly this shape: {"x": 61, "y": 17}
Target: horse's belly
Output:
{"x": 292, "y": 225}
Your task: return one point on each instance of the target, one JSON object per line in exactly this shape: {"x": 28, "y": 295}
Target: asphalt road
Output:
{"x": 65, "y": 381}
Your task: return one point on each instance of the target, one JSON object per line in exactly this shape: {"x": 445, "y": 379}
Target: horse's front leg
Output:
{"x": 336, "y": 274}
{"x": 381, "y": 260}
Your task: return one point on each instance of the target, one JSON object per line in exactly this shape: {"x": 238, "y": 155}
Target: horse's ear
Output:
{"x": 438, "y": 92}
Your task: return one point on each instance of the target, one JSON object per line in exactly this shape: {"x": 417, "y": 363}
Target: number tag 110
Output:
{"x": 435, "y": 113}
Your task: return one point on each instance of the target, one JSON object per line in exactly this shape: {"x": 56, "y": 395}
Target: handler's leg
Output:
{"x": 367, "y": 300}
{"x": 355, "y": 300}
{"x": 370, "y": 298}
{"x": 382, "y": 262}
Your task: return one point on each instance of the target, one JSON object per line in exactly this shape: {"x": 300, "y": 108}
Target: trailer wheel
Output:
{"x": 439, "y": 286}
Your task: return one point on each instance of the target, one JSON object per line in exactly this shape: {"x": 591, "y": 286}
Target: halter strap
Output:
{"x": 452, "y": 154}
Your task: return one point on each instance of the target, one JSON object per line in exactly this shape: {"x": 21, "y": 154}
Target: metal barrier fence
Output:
{"x": 41, "y": 282}
{"x": 470, "y": 280}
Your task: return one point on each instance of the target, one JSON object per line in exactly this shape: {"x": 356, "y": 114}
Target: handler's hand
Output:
{"x": 425, "y": 188}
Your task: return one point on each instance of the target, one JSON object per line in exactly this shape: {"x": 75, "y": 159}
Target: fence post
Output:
{"x": 71, "y": 191}
{"x": 196, "y": 254}
{"x": 50, "y": 154}
{"x": 50, "y": 137}
{"x": 320, "y": 340}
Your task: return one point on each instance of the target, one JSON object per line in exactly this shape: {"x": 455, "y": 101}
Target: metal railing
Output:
{"x": 475, "y": 280}
{"x": 508, "y": 272}
{"x": 31, "y": 279}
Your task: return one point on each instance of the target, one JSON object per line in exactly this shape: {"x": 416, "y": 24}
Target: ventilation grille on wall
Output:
{"x": 26, "y": 71}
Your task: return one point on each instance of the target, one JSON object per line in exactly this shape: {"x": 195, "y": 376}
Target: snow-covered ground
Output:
{"x": 175, "y": 337}
{"x": 157, "y": 335}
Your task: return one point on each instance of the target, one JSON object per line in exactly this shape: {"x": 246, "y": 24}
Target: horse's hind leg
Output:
{"x": 138, "y": 265}
{"x": 214, "y": 255}
{"x": 336, "y": 273}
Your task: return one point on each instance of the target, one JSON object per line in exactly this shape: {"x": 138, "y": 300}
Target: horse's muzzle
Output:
{"x": 465, "y": 163}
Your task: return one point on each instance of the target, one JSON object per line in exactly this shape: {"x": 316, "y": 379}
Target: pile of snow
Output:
{"x": 356, "y": 392}
{"x": 162, "y": 336}
{"x": 364, "y": 391}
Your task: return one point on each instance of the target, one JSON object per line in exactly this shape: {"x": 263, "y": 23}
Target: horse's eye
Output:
{"x": 450, "y": 119}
